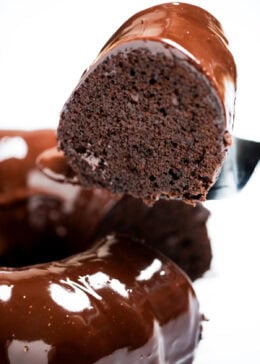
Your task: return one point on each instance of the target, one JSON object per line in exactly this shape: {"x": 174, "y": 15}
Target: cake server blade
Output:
{"x": 237, "y": 169}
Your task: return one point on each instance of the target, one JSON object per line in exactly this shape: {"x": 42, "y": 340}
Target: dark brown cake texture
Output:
{"x": 152, "y": 116}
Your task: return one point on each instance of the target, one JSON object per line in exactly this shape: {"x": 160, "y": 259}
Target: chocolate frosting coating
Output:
{"x": 18, "y": 151}
{"x": 120, "y": 302}
{"x": 194, "y": 32}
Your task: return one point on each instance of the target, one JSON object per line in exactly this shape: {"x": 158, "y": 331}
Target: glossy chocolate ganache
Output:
{"x": 117, "y": 301}
{"x": 152, "y": 115}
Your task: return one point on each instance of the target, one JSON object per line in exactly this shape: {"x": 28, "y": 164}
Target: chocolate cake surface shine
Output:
{"x": 66, "y": 297}
{"x": 110, "y": 304}
{"x": 151, "y": 116}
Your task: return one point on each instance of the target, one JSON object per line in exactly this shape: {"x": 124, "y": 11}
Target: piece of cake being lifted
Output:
{"x": 152, "y": 115}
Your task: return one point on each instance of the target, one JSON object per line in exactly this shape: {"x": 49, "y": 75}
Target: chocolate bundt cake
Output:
{"x": 152, "y": 115}
{"x": 118, "y": 302}
{"x": 68, "y": 298}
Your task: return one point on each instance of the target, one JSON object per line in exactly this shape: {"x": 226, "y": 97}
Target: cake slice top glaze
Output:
{"x": 152, "y": 115}
{"x": 181, "y": 25}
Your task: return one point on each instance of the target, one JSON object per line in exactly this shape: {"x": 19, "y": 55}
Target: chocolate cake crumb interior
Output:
{"x": 145, "y": 123}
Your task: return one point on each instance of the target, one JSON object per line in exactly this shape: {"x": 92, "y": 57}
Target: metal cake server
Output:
{"x": 237, "y": 169}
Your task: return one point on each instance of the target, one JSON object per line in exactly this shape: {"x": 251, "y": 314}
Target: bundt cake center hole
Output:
{"x": 38, "y": 231}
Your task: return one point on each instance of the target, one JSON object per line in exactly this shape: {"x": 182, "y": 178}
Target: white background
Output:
{"x": 44, "y": 47}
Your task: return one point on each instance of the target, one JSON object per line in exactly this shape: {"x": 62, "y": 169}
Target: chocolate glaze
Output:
{"x": 195, "y": 33}
{"x": 18, "y": 166}
{"x": 120, "y": 302}
{"x": 47, "y": 215}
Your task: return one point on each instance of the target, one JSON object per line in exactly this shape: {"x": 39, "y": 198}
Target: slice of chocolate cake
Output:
{"x": 152, "y": 116}
{"x": 176, "y": 229}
